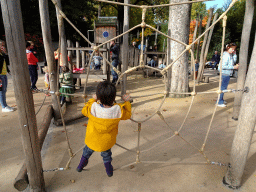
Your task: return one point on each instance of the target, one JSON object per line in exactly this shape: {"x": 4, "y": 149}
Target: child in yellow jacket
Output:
{"x": 102, "y": 127}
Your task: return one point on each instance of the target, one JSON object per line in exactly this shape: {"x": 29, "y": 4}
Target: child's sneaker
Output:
{"x": 222, "y": 105}
{"x": 109, "y": 169}
{"x": 7, "y": 109}
{"x": 82, "y": 164}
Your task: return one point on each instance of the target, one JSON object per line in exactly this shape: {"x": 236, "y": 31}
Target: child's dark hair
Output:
{"x": 106, "y": 93}
{"x": 28, "y": 44}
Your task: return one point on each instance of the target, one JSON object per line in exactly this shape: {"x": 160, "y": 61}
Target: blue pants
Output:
{"x": 214, "y": 65}
{"x": 33, "y": 75}
{"x": 114, "y": 74}
{"x": 224, "y": 86}
{"x": 3, "y": 103}
{"x": 87, "y": 152}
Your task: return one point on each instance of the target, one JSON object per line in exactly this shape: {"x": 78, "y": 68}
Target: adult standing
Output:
{"x": 32, "y": 66}
{"x": 115, "y": 60}
{"x": 4, "y": 62}
{"x": 228, "y": 62}
{"x": 215, "y": 60}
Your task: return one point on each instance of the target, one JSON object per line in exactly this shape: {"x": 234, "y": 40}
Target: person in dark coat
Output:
{"x": 215, "y": 60}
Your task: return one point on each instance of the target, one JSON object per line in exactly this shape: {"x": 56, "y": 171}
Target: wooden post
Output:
{"x": 202, "y": 61}
{"x": 157, "y": 27}
{"x": 104, "y": 61}
{"x": 195, "y": 32}
{"x": 12, "y": 19}
{"x": 210, "y": 37}
{"x": 198, "y": 42}
{"x": 108, "y": 67}
{"x": 77, "y": 56}
{"x": 46, "y": 32}
{"x": 63, "y": 48}
{"x": 132, "y": 49}
{"x": 245, "y": 128}
{"x": 78, "y": 64}
{"x": 83, "y": 59}
{"x": 21, "y": 181}
{"x": 125, "y": 47}
{"x": 70, "y": 55}
{"x": 168, "y": 53}
{"x": 243, "y": 55}
{"x": 136, "y": 57}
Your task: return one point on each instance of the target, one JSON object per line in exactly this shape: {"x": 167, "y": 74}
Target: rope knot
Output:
{"x": 176, "y": 133}
{"x": 193, "y": 94}
{"x": 219, "y": 91}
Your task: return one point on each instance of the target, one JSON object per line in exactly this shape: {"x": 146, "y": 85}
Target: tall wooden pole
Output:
{"x": 210, "y": 37}
{"x": 63, "y": 48}
{"x": 14, "y": 32}
{"x": 48, "y": 47}
{"x": 243, "y": 55}
{"x": 168, "y": 53}
{"x": 69, "y": 43}
{"x": 245, "y": 128}
{"x": 199, "y": 34}
{"x": 202, "y": 61}
{"x": 125, "y": 47}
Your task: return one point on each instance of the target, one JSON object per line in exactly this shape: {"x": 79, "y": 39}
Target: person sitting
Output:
{"x": 96, "y": 60}
{"x": 153, "y": 62}
{"x": 215, "y": 60}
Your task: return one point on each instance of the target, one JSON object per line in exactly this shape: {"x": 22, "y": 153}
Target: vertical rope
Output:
{"x": 220, "y": 80}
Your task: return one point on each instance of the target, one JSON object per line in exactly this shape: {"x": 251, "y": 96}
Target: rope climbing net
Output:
{"x": 142, "y": 65}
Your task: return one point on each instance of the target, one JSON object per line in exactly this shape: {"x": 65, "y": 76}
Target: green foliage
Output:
{"x": 198, "y": 8}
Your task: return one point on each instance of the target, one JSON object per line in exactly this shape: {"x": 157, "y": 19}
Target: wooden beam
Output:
{"x": 125, "y": 47}
{"x": 21, "y": 181}
{"x": 63, "y": 48}
{"x": 85, "y": 49}
{"x": 14, "y": 32}
{"x": 48, "y": 47}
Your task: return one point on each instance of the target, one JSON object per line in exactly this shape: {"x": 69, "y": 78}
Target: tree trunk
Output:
{"x": 246, "y": 125}
{"x": 11, "y": 13}
{"x": 47, "y": 38}
{"x": 243, "y": 55}
{"x": 63, "y": 48}
{"x": 199, "y": 34}
{"x": 195, "y": 32}
{"x": 210, "y": 37}
{"x": 193, "y": 46}
{"x": 180, "y": 23}
{"x": 168, "y": 53}
{"x": 69, "y": 44}
{"x": 202, "y": 59}
{"x": 125, "y": 47}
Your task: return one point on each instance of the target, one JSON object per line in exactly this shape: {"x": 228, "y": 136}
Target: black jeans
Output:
{"x": 33, "y": 75}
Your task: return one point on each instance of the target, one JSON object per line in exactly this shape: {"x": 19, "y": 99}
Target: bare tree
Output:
{"x": 243, "y": 55}
{"x": 244, "y": 132}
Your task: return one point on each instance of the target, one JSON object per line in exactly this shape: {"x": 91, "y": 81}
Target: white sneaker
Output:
{"x": 7, "y": 109}
{"x": 222, "y": 105}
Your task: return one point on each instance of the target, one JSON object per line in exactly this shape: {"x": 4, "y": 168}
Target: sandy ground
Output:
{"x": 167, "y": 163}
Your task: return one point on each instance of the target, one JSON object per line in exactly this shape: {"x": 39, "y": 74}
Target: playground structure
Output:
{"x": 142, "y": 65}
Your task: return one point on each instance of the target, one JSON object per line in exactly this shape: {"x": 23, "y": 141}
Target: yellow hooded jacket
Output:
{"x": 101, "y": 133}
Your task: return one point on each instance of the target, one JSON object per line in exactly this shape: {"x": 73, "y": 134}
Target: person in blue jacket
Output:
{"x": 228, "y": 65}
